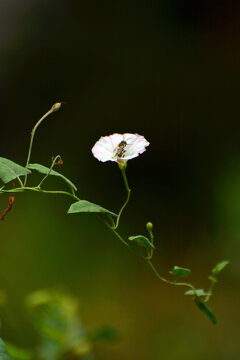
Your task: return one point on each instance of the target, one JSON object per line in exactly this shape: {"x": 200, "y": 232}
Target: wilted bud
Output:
{"x": 60, "y": 162}
{"x": 11, "y": 200}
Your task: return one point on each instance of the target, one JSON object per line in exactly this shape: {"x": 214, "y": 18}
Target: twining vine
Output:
{"x": 118, "y": 148}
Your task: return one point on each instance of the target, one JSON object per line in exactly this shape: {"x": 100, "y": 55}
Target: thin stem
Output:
{"x": 123, "y": 171}
{"x": 150, "y": 251}
{"x": 156, "y": 272}
{"x": 37, "y": 189}
{"x": 210, "y": 289}
{"x": 54, "y": 108}
{"x": 116, "y": 233}
{"x": 46, "y": 176}
{"x": 168, "y": 281}
{"x": 20, "y": 181}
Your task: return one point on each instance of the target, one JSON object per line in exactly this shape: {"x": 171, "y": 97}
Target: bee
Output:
{"x": 120, "y": 149}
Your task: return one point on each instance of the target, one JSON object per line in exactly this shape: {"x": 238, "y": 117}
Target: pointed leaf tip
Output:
{"x": 86, "y": 206}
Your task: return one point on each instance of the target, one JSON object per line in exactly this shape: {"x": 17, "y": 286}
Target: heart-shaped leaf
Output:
{"x": 142, "y": 241}
{"x": 83, "y": 206}
{"x": 180, "y": 271}
{"x": 46, "y": 171}
{"x": 9, "y": 170}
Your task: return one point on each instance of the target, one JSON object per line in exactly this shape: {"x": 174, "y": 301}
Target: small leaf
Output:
{"x": 206, "y": 309}
{"x": 219, "y": 267}
{"x": 3, "y": 351}
{"x": 142, "y": 241}
{"x": 18, "y": 354}
{"x": 179, "y": 271}
{"x": 86, "y": 206}
{"x": 45, "y": 170}
{"x": 9, "y": 170}
{"x": 197, "y": 292}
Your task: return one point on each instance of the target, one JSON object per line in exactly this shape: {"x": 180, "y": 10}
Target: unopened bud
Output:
{"x": 149, "y": 226}
{"x": 56, "y": 106}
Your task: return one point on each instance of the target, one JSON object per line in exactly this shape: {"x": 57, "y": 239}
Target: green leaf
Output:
{"x": 3, "y": 351}
{"x": 9, "y": 170}
{"x": 44, "y": 170}
{"x": 219, "y": 267}
{"x": 206, "y": 309}
{"x": 18, "y": 354}
{"x": 179, "y": 271}
{"x": 197, "y": 292}
{"x": 86, "y": 206}
{"x": 142, "y": 241}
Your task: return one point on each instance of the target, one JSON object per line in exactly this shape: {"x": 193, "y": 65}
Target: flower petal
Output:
{"x": 107, "y": 147}
{"x": 137, "y": 145}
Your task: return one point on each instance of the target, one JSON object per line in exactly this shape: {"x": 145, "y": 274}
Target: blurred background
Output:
{"x": 168, "y": 70}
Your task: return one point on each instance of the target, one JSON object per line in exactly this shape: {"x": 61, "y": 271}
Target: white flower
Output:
{"x": 119, "y": 147}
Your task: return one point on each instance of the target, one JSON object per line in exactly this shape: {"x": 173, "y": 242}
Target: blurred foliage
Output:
{"x": 3, "y": 351}
{"x": 61, "y": 335}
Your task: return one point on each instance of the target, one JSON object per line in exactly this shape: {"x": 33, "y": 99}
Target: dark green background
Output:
{"x": 168, "y": 70}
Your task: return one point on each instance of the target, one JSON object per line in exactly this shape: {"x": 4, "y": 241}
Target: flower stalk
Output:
{"x": 54, "y": 108}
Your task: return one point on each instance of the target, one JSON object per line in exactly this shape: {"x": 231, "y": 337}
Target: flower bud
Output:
{"x": 56, "y": 106}
{"x": 149, "y": 226}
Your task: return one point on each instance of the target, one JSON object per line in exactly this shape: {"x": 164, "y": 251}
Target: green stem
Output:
{"x": 123, "y": 171}
{"x": 37, "y": 189}
{"x": 168, "y": 281}
{"x": 116, "y": 233}
{"x": 150, "y": 251}
{"x": 20, "y": 181}
{"x": 46, "y": 176}
{"x": 210, "y": 289}
{"x": 54, "y": 108}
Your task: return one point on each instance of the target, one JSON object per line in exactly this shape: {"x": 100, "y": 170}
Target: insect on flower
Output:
{"x": 119, "y": 147}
